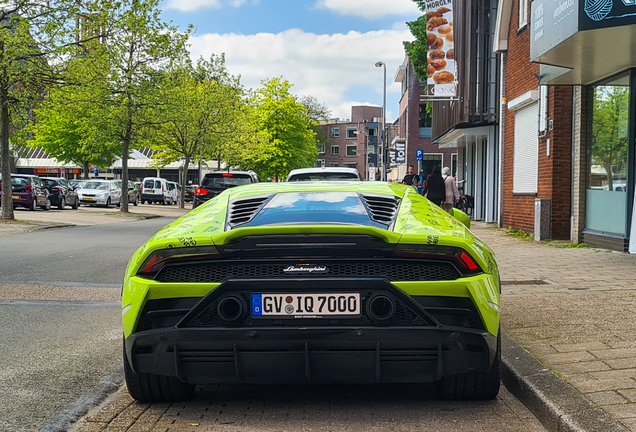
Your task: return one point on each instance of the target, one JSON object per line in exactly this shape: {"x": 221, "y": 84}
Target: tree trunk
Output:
{"x": 124, "y": 170}
{"x": 86, "y": 174}
{"x": 7, "y": 202}
{"x": 184, "y": 182}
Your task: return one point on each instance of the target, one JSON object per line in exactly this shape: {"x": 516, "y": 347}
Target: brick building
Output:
{"x": 536, "y": 160}
{"x": 352, "y": 143}
{"x": 414, "y": 128}
{"x": 570, "y": 119}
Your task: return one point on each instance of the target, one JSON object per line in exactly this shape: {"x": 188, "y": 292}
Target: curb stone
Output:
{"x": 555, "y": 403}
{"x": 108, "y": 385}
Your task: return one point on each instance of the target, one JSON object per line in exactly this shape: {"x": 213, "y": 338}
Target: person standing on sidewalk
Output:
{"x": 411, "y": 178}
{"x": 435, "y": 189}
{"x": 452, "y": 194}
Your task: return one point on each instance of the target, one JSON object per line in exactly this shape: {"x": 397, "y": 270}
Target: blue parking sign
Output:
{"x": 419, "y": 153}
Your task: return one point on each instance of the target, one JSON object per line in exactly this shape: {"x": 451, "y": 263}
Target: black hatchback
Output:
{"x": 216, "y": 182}
{"x": 61, "y": 192}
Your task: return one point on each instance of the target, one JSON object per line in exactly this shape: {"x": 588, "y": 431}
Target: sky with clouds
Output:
{"x": 326, "y": 48}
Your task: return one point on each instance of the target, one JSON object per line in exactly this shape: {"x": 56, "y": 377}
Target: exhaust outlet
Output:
{"x": 381, "y": 307}
{"x": 231, "y": 308}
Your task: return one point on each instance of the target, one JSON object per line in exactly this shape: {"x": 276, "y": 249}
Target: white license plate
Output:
{"x": 306, "y": 305}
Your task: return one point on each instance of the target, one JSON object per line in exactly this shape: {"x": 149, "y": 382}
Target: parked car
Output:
{"x": 133, "y": 196}
{"x": 61, "y": 192}
{"x": 189, "y": 192}
{"x": 215, "y": 182}
{"x": 154, "y": 190}
{"x": 77, "y": 184}
{"x": 324, "y": 174}
{"x": 344, "y": 282}
{"x": 100, "y": 192}
{"x": 173, "y": 188}
{"x": 28, "y": 191}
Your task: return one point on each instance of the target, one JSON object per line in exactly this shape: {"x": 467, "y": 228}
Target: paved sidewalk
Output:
{"x": 574, "y": 309}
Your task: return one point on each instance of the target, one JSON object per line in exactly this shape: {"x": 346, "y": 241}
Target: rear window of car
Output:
{"x": 49, "y": 183}
{"x": 226, "y": 180}
{"x": 314, "y": 208}
{"x": 324, "y": 177}
{"x": 19, "y": 181}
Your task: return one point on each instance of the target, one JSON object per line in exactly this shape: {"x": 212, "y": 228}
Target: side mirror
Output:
{"x": 461, "y": 216}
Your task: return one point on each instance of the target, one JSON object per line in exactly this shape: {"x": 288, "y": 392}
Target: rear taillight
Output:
{"x": 28, "y": 188}
{"x": 459, "y": 257}
{"x": 201, "y": 191}
{"x": 56, "y": 189}
{"x": 228, "y": 175}
{"x": 158, "y": 259}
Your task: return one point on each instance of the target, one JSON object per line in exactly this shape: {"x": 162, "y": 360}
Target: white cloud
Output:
{"x": 369, "y": 8}
{"x": 192, "y": 5}
{"x": 333, "y": 68}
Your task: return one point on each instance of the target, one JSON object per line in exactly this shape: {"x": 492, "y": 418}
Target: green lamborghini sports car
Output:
{"x": 313, "y": 282}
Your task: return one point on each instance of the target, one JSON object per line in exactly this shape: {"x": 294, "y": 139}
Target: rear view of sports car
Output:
{"x": 317, "y": 282}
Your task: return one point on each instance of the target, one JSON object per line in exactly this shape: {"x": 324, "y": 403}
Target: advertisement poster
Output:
{"x": 442, "y": 72}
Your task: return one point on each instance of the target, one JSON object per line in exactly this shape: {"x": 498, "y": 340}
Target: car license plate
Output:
{"x": 89, "y": 199}
{"x": 15, "y": 197}
{"x": 306, "y": 305}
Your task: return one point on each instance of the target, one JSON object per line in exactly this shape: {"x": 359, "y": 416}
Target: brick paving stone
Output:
{"x": 607, "y": 398}
{"x": 630, "y": 423}
{"x": 90, "y": 426}
{"x": 581, "y": 347}
{"x": 623, "y": 363}
{"x": 582, "y": 367}
{"x": 112, "y": 410}
{"x": 615, "y": 353}
{"x": 622, "y": 411}
{"x": 569, "y": 357}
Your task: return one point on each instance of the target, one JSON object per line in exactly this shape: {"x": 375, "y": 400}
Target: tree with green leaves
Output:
{"x": 35, "y": 37}
{"x": 417, "y": 50}
{"x": 122, "y": 74}
{"x": 199, "y": 114}
{"x": 289, "y": 140}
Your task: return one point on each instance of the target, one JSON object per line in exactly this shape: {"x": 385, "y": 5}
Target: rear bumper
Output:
{"x": 153, "y": 197}
{"x": 310, "y": 355}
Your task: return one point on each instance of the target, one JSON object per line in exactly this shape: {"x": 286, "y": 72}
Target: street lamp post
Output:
{"x": 383, "y": 132}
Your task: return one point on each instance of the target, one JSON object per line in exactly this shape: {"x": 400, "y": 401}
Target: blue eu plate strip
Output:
{"x": 257, "y": 304}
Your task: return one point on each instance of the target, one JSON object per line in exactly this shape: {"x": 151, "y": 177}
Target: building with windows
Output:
{"x": 468, "y": 124}
{"x": 352, "y": 143}
{"x": 570, "y": 118}
{"x": 415, "y": 128}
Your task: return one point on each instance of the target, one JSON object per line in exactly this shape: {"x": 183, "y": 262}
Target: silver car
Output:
{"x": 324, "y": 174}
{"x": 100, "y": 192}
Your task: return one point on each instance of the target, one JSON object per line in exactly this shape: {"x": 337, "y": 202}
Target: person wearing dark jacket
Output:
{"x": 435, "y": 189}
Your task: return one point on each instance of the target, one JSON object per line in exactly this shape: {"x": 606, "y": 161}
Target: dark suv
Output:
{"x": 61, "y": 192}
{"x": 28, "y": 191}
{"x": 214, "y": 183}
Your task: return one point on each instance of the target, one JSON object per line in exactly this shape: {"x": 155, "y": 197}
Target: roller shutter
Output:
{"x": 526, "y": 150}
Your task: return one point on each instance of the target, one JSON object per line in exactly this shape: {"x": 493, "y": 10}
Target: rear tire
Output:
{"x": 149, "y": 388}
{"x": 76, "y": 205}
{"x": 33, "y": 205}
{"x": 473, "y": 385}
{"x": 47, "y": 206}
{"x": 108, "y": 202}
{"x": 62, "y": 203}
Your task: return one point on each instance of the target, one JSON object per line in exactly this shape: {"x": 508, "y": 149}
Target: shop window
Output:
{"x": 606, "y": 197}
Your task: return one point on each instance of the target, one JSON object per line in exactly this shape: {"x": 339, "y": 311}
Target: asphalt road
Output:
{"x": 61, "y": 335}
{"x": 90, "y": 255}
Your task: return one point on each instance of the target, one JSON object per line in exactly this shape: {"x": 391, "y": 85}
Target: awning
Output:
{"x": 456, "y": 137}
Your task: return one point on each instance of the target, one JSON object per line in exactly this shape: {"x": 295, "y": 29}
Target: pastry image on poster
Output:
{"x": 442, "y": 71}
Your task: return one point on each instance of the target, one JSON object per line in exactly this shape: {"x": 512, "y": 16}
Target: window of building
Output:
{"x": 352, "y": 165}
{"x": 425, "y": 121}
{"x": 372, "y": 132}
{"x": 335, "y": 132}
{"x": 334, "y": 164}
{"x": 454, "y": 165}
{"x": 430, "y": 161}
{"x": 351, "y": 133}
{"x": 335, "y": 150}
{"x": 321, "y": 148}
{"x": 352, "y": 150}
{"x": 523, "y": 13}
{"x": 320, "y": 163}
{"x": 526, "y": 156}
{"x": 608, "y": 148}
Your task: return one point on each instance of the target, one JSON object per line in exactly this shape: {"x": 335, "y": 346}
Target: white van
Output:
{"x": 155, "y": 190}
{"x": 174, "y": 192}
